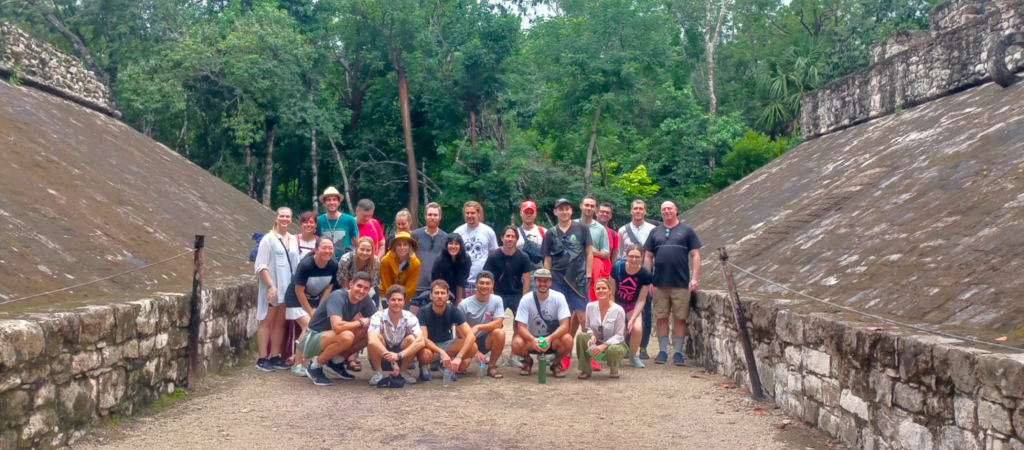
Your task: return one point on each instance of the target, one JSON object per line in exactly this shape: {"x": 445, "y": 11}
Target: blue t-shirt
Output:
{"x": 340, "y": 231}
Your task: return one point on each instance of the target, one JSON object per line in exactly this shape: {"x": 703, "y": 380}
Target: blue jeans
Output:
{"x": 646, "y": 313}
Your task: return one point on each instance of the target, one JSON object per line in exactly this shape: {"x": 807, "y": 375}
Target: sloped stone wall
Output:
{"x": 61, "y": 372}
{"x": 44, "y": 67}
{"x": 869, "y": 389}
{"x": 911, "y": 68}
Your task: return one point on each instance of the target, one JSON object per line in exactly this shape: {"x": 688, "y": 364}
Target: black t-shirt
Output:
{"x": 337, "y": 304}
{"x": 508, "y": 271}
{"x": 439, "y": 326}
{"x": 627, "y": 287}
{"x": 671, "y": 248}
{"x": 314, "y": 278}
{"x": 568, "y": 252}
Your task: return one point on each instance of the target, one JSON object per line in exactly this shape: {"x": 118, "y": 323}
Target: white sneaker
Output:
{"x": 501, "y": 361}
{"x": 377, "y": 376}
{"x": 515, "y": 362}
{"x": 409, "y": 379}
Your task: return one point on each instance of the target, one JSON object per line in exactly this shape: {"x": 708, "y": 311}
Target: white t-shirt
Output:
{"x": 553, "y": 309}
{"x": 533, "y": 235}
{"x": 480, "y": 242}
{"x": 641, "y": 233}
{"x": 478, "y": 312}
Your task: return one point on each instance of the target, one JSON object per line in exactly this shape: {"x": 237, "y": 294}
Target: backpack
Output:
{"x": 256, "y": 237}
{"x": 531, "y": 249}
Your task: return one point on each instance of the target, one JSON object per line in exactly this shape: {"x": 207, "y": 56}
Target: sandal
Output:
{"x": 527, "y": 369}
{"x": 354, "y": 366}
{"x": 493, "y": 372}
{"x": 584, "y": 376}
{"x": 614, "y": 376}
{"x": 557, "y": 372}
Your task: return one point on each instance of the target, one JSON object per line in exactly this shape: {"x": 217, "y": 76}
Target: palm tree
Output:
{"x": 783, "y": 80}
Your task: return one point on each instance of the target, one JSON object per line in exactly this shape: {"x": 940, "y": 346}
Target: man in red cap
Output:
{"x": 529, "y": 231}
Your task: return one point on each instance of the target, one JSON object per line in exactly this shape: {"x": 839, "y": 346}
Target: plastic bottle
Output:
{"x": 543, "y": 344}
{"x": 542, "y": 376}
{"x": 481, "y": 370}
{"x": 447, "y": 379}
{"x": 590, "y": 351}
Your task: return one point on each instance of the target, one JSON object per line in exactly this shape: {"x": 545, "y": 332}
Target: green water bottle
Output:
{"x": 542, "y": 376}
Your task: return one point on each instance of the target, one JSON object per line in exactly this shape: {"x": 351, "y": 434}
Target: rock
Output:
{"x": 817, "y": 362}
{"x": 909, "y": 398}
{"x": 992, "y": 416}
{"x": 38, "y": 424}
{"x": 21, "y": 341}
{"x": 44, "y": 395}
{"x": 828, "y": 423}
{"x": 953, "y": 438}
{"x": 882, "y": 384}
{"x": 147, "y": 317}
{"x": 97, "y": 324}
{"x": 85, "y": 361}
{"x": 15, "y": 405}
{"x": 958, "y": 366}
{"x": 110, "y": 389}
{"x": 124, "y": 321}
{"x": 789, "y": 327}
{"x": 1018, "y": 421}
{"x": 77, "y": 402}
{"x": 915, "y": 361}
{"x": 9, "y": 381}
{"x": 849, "y": 433}
{"x": 915, "y": 436}
{"x": 854, "y": 404}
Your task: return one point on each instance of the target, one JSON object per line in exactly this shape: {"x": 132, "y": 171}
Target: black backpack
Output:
{"x": 531, "y": 249}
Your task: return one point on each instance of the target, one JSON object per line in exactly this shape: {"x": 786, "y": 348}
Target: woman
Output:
{"x": 633, "y": 281}
{"x": 453, "y": 267}
{"x": 400, "y": 265}
{"x": 403, "y": 222}
{"x": 274, "y": 270}
{"x": 305, "y": 243}
{"x": 361, "y": 260}
{"x": 604, "y": 339}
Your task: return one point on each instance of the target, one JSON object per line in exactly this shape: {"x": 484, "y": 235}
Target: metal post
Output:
{"x": 741, "y": 325}
{"x": 195, "y": 320}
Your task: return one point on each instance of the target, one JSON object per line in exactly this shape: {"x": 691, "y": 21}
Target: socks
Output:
{"x": 424, "y": 368}
{"x": 314, "y": 364}
{"x": 338, "y": 359}
{"x": 663, "y": 343}
{"x": 678, "y": 342}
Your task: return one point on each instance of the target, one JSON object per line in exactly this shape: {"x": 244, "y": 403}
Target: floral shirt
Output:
{"x": 346, "y": 269}
{"x": 394, "y": 333}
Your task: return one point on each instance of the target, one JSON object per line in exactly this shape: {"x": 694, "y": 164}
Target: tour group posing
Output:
{"x": 445, "y": 294}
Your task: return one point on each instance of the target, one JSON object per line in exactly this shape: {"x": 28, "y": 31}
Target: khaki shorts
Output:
{"x": 309, "y": 344}
{"x": 674, "y": 300}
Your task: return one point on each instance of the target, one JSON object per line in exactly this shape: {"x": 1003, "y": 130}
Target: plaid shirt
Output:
{"x": 394, "y": 333}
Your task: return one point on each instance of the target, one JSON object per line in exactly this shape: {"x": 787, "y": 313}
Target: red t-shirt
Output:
{"x": 372, "y": 229}
{"x": 613, "y": 241}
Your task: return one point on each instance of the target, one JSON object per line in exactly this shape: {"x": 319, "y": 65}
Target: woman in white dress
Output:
{"x": 274, "y": 270}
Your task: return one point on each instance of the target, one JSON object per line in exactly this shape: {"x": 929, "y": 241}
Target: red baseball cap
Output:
{"x": 529, "y": 204}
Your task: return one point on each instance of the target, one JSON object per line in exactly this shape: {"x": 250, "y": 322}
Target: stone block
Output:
{"x": 39, "y": 423}
{"x": 111, "y": 355}
{"x": 45, "y": 395}
{"x": 828, "y": 423}
{"x": 61, "y": 330}
{"x": 849, "y": 433}
{"x": 953, "y": 438}
{"x": 77, "y": 402}
{"x": 940, "y": 407}
{"x": 915, "y": 361}
{"x": 793, "y": 356}
{"x": 882, "y": 385}
{"x": 789, "y": 327}
{"x": 1005, "y": 372}
{"x": 97, "y": 324}
{"x": 996, "y": 442}
{"x": 9, "y": 380}
{"x": 14, "y": 406}
{"x": 957, "y": 365}
{"x": 995, "y": 417}
{"x": 1018, "y": 421}
{"x": 854, "y": 404}
{"x": 85, "y": 361}
{"x": 147, "y": 318}
{"x": 110, "y": 388}
{"x": 21, "y": 341}
{"x": 124, "y": 321}
{"x": 817, "y": 362}
{"x": 909, "y": 397}
{"x": 1016, "y": 444}
{"x": 915, "y": 436}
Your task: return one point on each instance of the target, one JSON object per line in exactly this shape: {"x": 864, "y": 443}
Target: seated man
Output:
{"x": 336, "y": 329}
{"x": 485, "y": 313}
{"x": 542, "y": 314}
{"x": 436, "y": 323}
{"x": 394, "y": 336}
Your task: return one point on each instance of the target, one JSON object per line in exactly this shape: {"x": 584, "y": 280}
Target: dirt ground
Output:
{"x": 660, "y": 406}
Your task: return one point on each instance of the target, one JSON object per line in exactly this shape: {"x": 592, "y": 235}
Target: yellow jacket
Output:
{"x": 390, "y": 275}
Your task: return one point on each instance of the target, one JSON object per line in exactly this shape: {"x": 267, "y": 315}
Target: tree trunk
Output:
{"x": 712, "y": 101}
{"x": 252, "y": 172}
{"x": 472, "y": 145}
{"x": 344, "y": 176}
{"x": 590, "y": 149}
{"x": 501, "y": 132}
{"x": 268, "y": 169}
{"x": 410, "y": 155}
{"x": 312, "y": 165}
{"x": 426, "y": 195}
{"x": 356, "y": 105}
{"x": 713, "y": 29}
{"x": 600, "y": 165}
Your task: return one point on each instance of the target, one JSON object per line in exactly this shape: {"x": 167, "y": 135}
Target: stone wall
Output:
{"x": 43, "y": 66}
{"x": 869, "y": 389}
{"x": 61, "y": 372}
{"x": 911, "y": 68}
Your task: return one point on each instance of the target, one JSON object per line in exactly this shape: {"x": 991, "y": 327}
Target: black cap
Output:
{"x": 562, "y": 201}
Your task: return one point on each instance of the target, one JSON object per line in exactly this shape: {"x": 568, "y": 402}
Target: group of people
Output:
{"x": 445, "y": 294}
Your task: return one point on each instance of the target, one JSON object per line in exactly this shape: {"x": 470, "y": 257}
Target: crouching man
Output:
{"x": 337, "y": 330}
{"x": 394, "y": 337}
{"x": 436, "y": 323}
{"x": 542, "y": 314}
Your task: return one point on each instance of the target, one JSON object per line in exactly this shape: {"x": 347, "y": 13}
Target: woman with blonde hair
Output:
{"x": 605, "y": 332}
{"x": 361, "y": 260}
{"x": 400, "y": 265}
{"x": 274, "y": 270}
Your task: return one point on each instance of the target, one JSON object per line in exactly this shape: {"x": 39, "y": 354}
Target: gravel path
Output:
{"x": 661, "y": 406}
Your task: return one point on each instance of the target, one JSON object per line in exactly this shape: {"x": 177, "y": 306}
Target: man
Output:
{"x": 436, "y": 323}
{"x": 511, "y": 268}
{"x": 604, "y": 217}
{"x": 485, "y": 315}
{"x": 636, "y": 232}
{"x": 334, "y": 224}
{"x": 668, "y": 249}
{"x": 337, "y": 330}
{"x": 598, "y": 235}
{"x": 531, "y": 235}
{"x": 431, "y": 244}
{"x": 394, "y": 336}
{"x": 368, "y": 226}
{"x": 569, "y": 255}
{"x": 479, "y": 239}
{"x": 543, "y": 316}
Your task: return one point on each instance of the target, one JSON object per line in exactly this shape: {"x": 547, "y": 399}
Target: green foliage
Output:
{"x": 636, "y": 183}
{"x": 747, "y": 155}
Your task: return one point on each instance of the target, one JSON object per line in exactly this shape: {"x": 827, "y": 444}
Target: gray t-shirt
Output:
{"x": 478, "y": 312}
{"x": 337, "y": 304}
{"x": 428, "y": 251}
{"x": 554, "y": 309}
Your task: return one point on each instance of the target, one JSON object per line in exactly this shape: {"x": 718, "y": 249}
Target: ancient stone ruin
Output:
{"x": 906, "y": 201}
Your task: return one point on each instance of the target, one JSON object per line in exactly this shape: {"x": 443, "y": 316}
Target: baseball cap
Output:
{"x": 529, "y": 204}
{"x": 542, "y": 273}
{"x": 562, "y": 201}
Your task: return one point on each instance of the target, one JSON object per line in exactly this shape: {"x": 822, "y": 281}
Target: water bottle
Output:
{"x": 542, "y": 376}
{"x": 590, "y": 351}
{"x": 481, "y": 370}
{"x": 447, "y": 379}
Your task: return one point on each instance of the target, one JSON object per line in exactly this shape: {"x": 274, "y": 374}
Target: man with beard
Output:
{"x": 431, "y": 244}
{"x": 480, "y": 241}
{"x": 542, "y": 325}
{"x": 335, "y": 225}
{"x": 336, "y": 330}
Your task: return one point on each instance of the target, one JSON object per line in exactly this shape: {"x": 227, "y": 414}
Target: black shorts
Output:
{"x": 511, "y": 301}
{"x": 481, "y": 343}
{"x": 385, "y": 365}
{"x": 549, "y": 351}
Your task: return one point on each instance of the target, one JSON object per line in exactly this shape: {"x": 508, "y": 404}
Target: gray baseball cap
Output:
{"x": 542, "y": 273}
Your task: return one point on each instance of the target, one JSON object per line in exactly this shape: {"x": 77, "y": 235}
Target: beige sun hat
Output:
{"x": 331, "y": 190}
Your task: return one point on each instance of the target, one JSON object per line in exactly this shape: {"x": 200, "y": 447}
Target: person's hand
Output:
{"x": 693, "y": 285}
{"x": 536, "y": 345}
{"x": 473, "y": 330}
{"x": 480, "y": 357}
{"x": 592, "y": 341}
{"x": 310, "y": 312}
{"x": 391, "y": 357}
{"x": 456, "y": 363}
{"x": 446, "y": 361}
{"x": 272, "y": 294}
{"x": 598, "y": 350}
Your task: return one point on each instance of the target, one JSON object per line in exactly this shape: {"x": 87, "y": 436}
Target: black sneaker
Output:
{"x": 338, "y": 370}
{"x": 263, "y": 365}
{"x": 318, "y": 377}
{"x": 278, "y": 363}
{"x": 643, "y": 353}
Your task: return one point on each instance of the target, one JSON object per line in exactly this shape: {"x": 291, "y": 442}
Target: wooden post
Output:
{"x": 195, "y": 321}
{"x": 741, "y": 325}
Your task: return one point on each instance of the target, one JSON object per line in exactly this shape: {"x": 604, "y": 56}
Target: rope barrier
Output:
{"x": 877, "y": 317}
{"x": 243, "y": 258}
{"x": 5, "y": 302}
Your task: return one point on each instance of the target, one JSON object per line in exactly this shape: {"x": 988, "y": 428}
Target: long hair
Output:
{"x": 273, "y": 230}
{"x": 453, "y": 270}
{"x": 359, "y": 265}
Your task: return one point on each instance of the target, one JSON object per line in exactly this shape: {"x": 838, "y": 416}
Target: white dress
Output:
{"x": 273, "y": 256}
